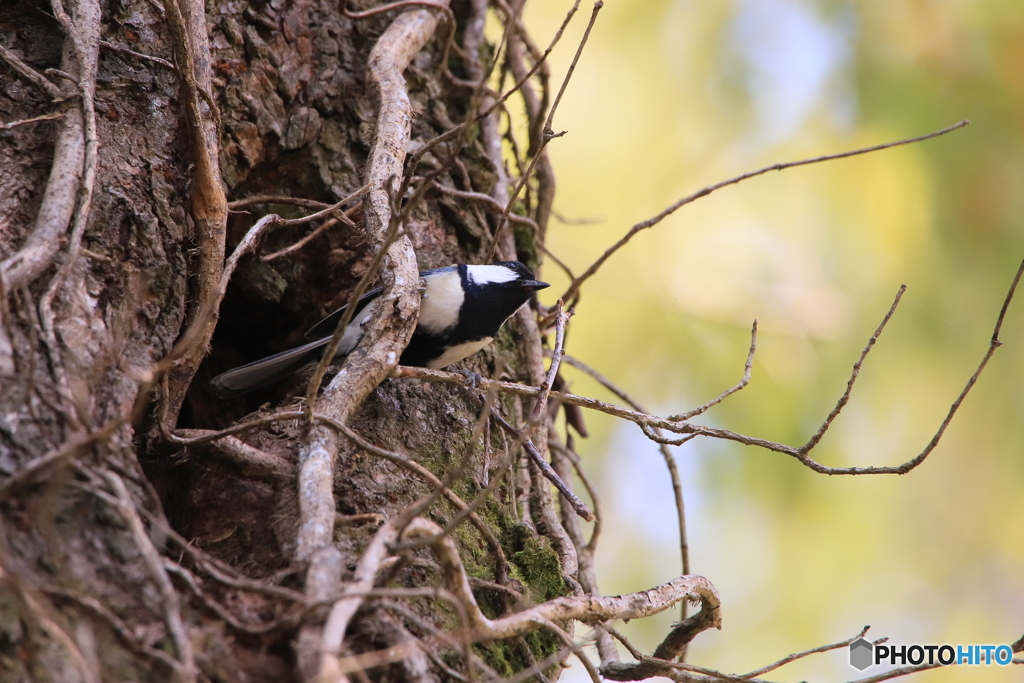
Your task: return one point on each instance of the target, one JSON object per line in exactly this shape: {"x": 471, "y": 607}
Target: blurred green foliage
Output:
{"x": 671, "y": 96}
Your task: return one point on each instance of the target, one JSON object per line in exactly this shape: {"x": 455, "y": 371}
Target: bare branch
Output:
{"x": 853, "y": 376}
{"x": 31, "y": 75}
{"x": 172, "y": 613}
{"x": 481, "y": 628}
{"x": 800, "y": 655}
{"x": 34, "y": 119}
{"x": 208, "y": 204}
{"x": 728, "y": 392}
{"x": 540, "y": 406}
{"x": 651, "y": 222}
{"x": 150, "y": 58}
{"x": 578, "y": 505}
{"x": 547, "y": 134}
{"x": 649, "y": 423}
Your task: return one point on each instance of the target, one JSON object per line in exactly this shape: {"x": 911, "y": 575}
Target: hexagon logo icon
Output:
{"x": 861, "y": 652}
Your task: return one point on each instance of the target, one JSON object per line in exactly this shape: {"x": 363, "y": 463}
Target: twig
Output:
{"x": 330, "y": 208}
{"x": 547, "y": 133}
{"x": 31, "y": 75}
{"x": 322, "y": 210}
{"x": 578, "y": 505}
{"x": 540, "y": 406}
{"x": 557, "y": 610}
{"x": 461, "y": 128}
{"x": 156, "y": 60}
{"x": 650, "y": 222}
{"x": 34, "y": 119}
{"x": 208, "y": 204}
{"x": 299, "y": 244}
{"x": 172, "y": 613}
{"x": 728, "y": 392}
{"x": 490, "y": 201}
{"x": 857, "y": 366}
{"x": 242, "y": 203}
{"x": 800, "y": 655}
{"x": 648, "y": 667}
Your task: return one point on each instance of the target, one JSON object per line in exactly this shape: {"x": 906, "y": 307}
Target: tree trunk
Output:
{"x": 129, "y": 555}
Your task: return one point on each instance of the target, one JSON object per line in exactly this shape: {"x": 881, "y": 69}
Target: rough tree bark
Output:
{"x": 125, "y": 556}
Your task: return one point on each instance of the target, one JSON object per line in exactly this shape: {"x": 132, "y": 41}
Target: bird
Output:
{"x": 462, "y": 309}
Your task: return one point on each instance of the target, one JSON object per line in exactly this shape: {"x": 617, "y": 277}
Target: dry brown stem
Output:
{"x": 75, "y": 144}
{"x": 537, "y": 458}
{"x": 124, "y": 504}
{"x": 649, "y": 423}
{"x": 540, "y": 406}
{"x": 31, "y": 75}
{"x": 480, "y": 627}
{"x": 547, "y": 134}
{"x": 388, "y": 332}
{"x": 208, "y": 204}
{"x": 574, "y": 287}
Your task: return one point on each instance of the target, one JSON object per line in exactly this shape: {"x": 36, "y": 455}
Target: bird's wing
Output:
{"x": 325, "y": 328}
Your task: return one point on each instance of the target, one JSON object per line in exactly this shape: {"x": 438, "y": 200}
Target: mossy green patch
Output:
{"x": 537, "y": 562}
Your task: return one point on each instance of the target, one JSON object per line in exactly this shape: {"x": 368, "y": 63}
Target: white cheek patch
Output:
{"x": 482, "y": 275}
{"x": 439, "y": 309}
{"x": 453, "y": 354}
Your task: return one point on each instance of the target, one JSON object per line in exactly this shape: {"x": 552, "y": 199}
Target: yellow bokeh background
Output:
{"x": 674, "y": 95}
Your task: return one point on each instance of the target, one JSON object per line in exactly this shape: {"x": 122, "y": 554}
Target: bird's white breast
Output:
{"x": 454, "y": 354}
{"x": 439, "y": 309}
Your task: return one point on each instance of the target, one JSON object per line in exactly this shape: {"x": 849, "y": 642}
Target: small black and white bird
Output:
{"x": 462, "y": 309}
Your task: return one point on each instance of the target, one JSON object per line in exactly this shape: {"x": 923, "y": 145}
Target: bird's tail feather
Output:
{"x": 267, "y": 370}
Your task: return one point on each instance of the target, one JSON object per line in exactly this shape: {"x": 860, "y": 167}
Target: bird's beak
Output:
{"x": 534, "y": 284}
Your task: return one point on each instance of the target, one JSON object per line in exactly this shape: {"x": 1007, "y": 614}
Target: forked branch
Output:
{"x": 574, "y": 287}
{"x": 675, "y": 425}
